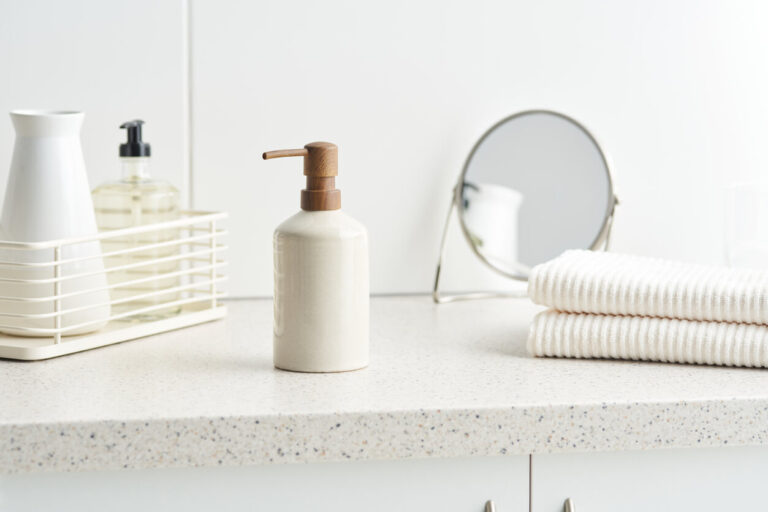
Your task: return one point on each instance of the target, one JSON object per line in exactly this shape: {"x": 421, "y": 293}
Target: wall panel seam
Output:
{"x": 188, "y": 106}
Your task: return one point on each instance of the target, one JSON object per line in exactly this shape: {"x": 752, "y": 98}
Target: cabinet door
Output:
{"x": 706, "y": 479}
{"x": 439, "y": 485}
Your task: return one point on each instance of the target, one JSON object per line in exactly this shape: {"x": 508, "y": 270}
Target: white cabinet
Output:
{"x": 705, "y": 479}
{"x": 439, "y": 485}
{"x": 700, "y": 479}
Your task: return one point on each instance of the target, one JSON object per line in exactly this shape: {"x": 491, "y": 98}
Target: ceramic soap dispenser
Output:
{"x": 321, "y": 275}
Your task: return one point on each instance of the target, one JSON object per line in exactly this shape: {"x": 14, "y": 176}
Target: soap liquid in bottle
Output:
{"x": 136, "y": 200}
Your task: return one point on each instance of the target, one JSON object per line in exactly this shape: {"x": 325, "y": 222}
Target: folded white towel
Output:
{"x": 619, "y": 284}
{"x": 557, "y": 334}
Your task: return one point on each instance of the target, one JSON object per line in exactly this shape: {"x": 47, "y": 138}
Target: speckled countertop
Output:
{"x": 444, "y": 381}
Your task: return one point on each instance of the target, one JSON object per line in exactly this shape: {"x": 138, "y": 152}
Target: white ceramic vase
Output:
{"x": 48, "y": 198}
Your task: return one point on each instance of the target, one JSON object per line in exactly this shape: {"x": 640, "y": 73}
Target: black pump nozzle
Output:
{"x": 134, "y": 146}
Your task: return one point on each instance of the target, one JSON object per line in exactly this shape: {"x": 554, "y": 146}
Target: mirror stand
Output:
{"x": 601, "y": 243}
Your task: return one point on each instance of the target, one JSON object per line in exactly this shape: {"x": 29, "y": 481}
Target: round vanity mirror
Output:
{"x": 535, "y": 184}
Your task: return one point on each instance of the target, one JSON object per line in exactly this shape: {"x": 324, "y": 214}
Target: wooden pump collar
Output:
{"x": 321, "y": 166}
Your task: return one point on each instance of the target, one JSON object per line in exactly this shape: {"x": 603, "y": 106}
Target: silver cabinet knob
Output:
{"x": 489, "y": 506}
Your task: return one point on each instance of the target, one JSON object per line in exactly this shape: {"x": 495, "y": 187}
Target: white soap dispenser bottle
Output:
{"x": 321, "y": 300}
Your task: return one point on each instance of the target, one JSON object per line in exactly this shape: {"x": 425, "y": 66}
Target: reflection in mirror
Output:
{"x": 491, "y": 215}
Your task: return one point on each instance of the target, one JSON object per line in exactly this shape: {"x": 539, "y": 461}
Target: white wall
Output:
{"x": 675, "y": 91}
{"x": 114, "y": 60}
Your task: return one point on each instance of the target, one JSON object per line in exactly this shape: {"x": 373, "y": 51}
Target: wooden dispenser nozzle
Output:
{"x": 321, "y": 166}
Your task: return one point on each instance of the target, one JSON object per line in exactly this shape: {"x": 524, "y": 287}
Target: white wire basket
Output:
{"x": 64, "y": 296}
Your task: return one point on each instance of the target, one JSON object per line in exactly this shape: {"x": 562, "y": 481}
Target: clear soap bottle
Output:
{"x": 134, "y": 200}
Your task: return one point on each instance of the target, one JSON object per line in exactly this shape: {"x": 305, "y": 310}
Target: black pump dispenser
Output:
{"x": 134, "y": 146}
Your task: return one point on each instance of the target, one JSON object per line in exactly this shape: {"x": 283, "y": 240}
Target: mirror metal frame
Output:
{"x": 602, "y": 240}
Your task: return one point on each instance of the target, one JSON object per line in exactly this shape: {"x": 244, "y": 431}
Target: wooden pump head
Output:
{"x": 321, "y": 166}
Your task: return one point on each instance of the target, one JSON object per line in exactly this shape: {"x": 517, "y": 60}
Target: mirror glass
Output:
{"x": 535, "y": 185}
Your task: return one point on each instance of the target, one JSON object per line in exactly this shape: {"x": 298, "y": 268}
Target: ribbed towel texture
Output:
{"x": 620, "y": 284}
{"x": 608, "y": 305}
{"x": 557, "y": 334}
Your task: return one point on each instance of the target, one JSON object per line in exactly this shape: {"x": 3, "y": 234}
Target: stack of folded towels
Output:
{"x": 607, "y": 305}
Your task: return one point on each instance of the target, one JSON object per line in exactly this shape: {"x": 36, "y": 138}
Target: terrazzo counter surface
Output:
{"x": 444, "y": 381}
